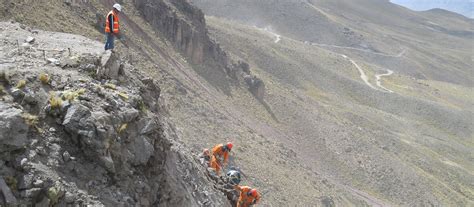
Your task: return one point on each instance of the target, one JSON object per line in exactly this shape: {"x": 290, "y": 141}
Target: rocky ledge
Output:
{"x": 79, "y": 126}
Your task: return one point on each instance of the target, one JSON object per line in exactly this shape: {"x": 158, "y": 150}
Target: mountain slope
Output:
{"x": 335, "y": 127}
{"x": 388, "y": 104}
{"x": 464, "y": 7}
{"x": 376, "y": 26}
{"x": 199, "y": 108}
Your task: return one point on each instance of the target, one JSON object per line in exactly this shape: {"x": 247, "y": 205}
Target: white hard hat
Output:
{"x": 118, "y": 7}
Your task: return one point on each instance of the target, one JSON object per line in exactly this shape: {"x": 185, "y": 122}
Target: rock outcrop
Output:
{"x": 13, "y": 129}
{"x": 256, "y": 86}
{"x": 86, "y": 138}
{"x": 109, "y": 66}
{"x": 184, "y": 25}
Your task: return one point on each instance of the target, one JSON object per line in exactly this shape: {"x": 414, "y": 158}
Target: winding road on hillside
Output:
{"x": 400, "y": 54}
{"x": 349, "y": 48}
{"x": 369, "y": 199}
{"x": 363, "y": 76}
{"x": 378, "y": 78}
{"x": 277, "y": 36}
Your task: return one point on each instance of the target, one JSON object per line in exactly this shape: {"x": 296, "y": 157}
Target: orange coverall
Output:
{"x": 246, "y": 200}
{"x": 218, "y": 153}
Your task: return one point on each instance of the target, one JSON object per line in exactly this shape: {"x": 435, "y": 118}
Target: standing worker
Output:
{"x": 112, "y": 26}
{"x": 248, "y": 196}
{"x": 220, "y": 155}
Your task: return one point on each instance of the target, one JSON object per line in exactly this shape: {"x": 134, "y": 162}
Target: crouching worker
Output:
{"x": 219, "y": 156}
{"x": 248, "y": 196}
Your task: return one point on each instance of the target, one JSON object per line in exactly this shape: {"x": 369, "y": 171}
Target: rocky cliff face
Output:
{"x": 84, "y": 128}
{"x": 184, "y": 25}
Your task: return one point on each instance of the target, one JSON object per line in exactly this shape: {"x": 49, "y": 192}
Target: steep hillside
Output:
{"x": 382, "y": 131}
{"x": 198, "y": 105}
{"x": 367, "y": 26}
{"x": 459, "y": 6}
{"x": 79, "y": 127}
{"x": 287, "y": 17}
{"x": 387, "y": 119}
{"x": 355, "y": 107}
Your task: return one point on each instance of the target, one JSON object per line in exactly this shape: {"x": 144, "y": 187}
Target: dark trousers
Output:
{"x": 109, "y": 42}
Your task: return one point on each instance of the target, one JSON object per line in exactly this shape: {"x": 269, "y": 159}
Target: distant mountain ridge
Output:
{"x": 463, "y": 7}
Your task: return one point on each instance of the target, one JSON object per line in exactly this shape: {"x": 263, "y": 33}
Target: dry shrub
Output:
{"x": 110, "y": 86}
{"x": 55, "y": 102}
{"x": 72, "y": 95}
{"x": 122, "y": 128}
{"x": 21, "y": 84}
{"x": 32, "y": 121}
{"x": 123, "y": 95}
{"x": 44, "y": 78}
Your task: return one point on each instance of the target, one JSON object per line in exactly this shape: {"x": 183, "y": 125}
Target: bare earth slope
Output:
{"x": 399, "y": 104}
{"x": 440, "y": 46}
{"x": 335, "y": 127}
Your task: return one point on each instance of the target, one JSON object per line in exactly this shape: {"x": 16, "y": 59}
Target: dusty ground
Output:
{"x": 399, "y": 131}
{"x": 322, "y": 135}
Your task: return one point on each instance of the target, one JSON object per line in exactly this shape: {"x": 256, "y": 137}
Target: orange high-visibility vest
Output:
{"x": 115, "y": 23}
{"x": 219, "y": 153}
{"x": 244, "y": 199}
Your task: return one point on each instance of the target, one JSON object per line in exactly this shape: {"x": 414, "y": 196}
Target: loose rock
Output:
{"x": 142, "y": 149}
{"x": 110, "y": 66}
{"x": 53, "y": 61}
{"x": 7, "y": 193}
{"x": 66, "y": 156}
{"x": 13, "y": 129}
{"x": 30, "y": 40}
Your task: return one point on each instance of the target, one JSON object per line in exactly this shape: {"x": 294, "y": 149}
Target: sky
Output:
{"x": 464, "y": 7}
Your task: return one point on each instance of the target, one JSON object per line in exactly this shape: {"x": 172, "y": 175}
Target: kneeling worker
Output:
{"x": 220, "y": 155}
{"x": 248, "y": 196}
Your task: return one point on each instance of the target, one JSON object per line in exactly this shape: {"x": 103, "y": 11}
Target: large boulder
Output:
{"x": 129, "y": 115}
{"x": 77, "y": 121}
{"x": 93, "y": 131}
{"x": 142, "y": 150}
{"x": 13, "y": 129}
{"x": 109, "y": 66}
{"x": 150, "y": 93}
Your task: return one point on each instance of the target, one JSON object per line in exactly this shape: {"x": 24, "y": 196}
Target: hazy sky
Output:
{"x": 464, "y": 7}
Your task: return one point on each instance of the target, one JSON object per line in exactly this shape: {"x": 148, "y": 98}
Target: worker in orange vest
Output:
{"x": 248, "y": 196}
{"x": 220, "y": 155}
{"x": 112, "y": 26}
